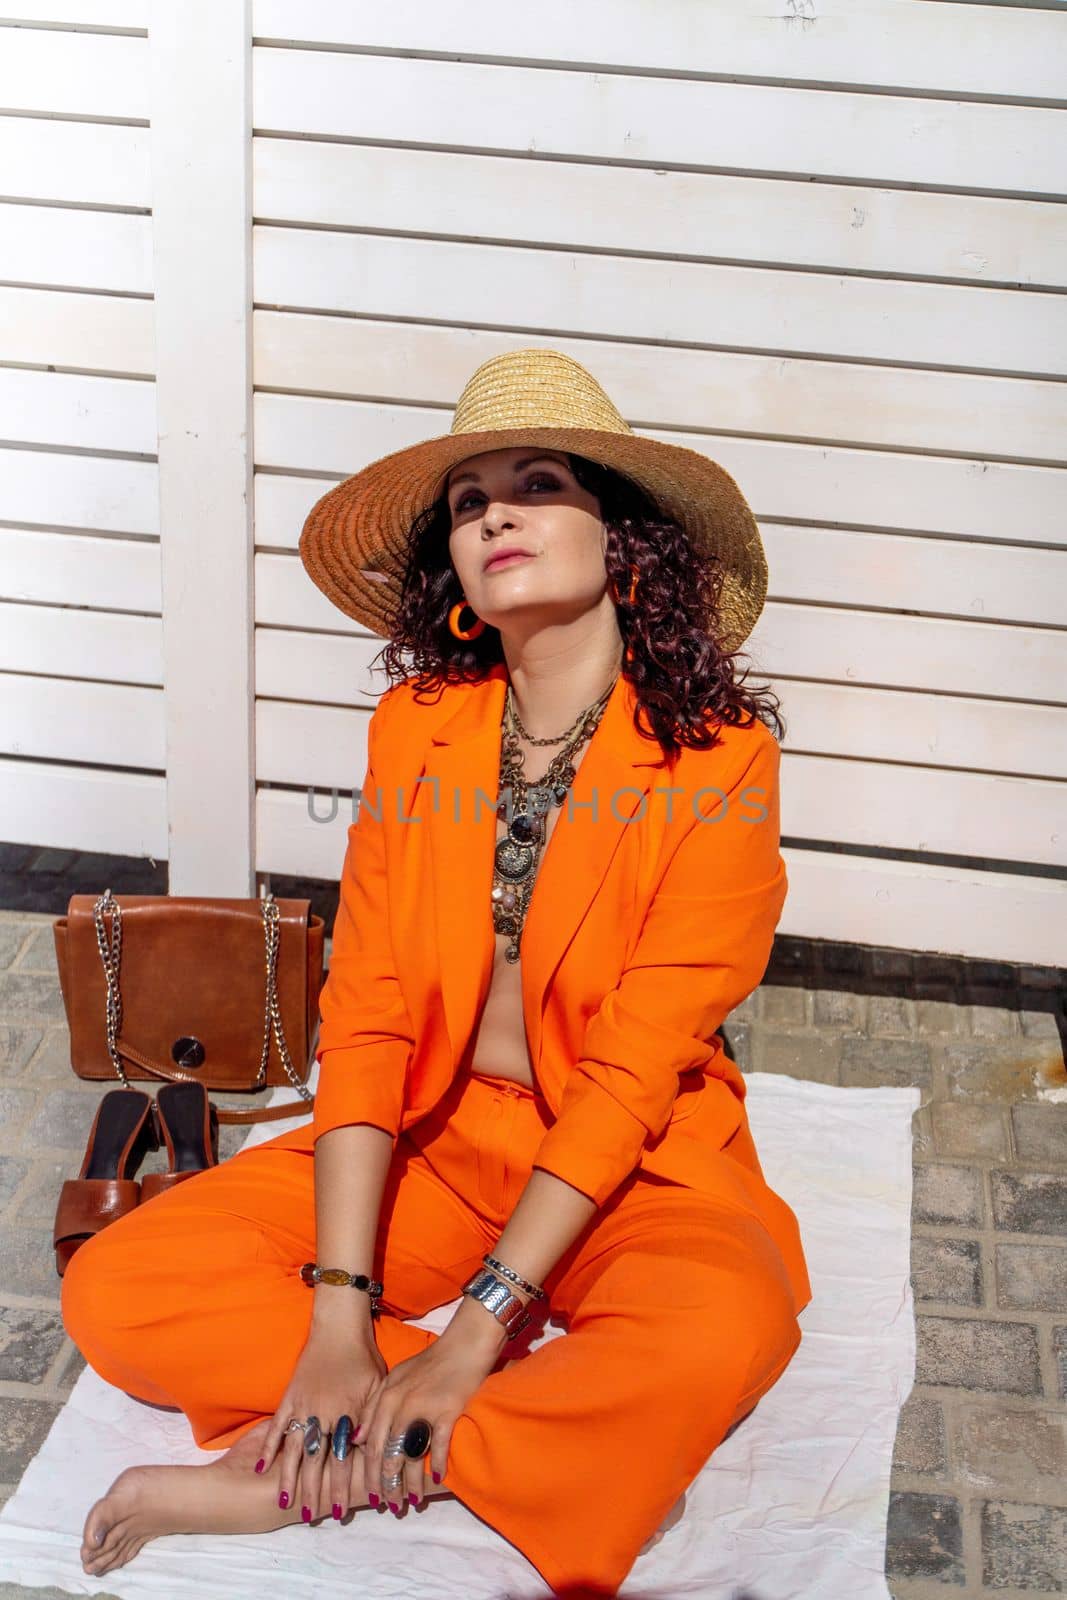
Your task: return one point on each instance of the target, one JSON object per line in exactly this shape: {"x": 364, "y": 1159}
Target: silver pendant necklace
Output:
{"x": 518, "y": 853}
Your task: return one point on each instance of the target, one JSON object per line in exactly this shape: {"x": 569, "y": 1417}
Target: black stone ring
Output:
{"x": 342, "y": 1437}
{"x": 417, "y": 1436}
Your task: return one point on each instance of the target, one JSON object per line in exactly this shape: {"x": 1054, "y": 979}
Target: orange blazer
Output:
{"x": 652, "y": 917}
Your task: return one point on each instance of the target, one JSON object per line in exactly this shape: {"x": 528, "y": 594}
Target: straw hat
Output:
{"x": 355, "y": 540}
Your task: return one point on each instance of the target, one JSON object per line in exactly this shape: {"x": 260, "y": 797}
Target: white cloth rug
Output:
{"x": 791, "y": 1507}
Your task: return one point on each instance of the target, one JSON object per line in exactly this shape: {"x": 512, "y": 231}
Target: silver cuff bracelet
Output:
{"x": 494, "y": 1294}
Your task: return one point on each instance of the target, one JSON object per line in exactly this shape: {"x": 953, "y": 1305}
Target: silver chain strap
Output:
{"x": 111, "y": 959}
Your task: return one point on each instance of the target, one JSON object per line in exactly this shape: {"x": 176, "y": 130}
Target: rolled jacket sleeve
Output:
{"x": 366, "y": 1037}
{"x": 703, "y": 947}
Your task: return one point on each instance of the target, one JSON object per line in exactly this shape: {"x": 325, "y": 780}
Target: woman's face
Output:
{"x": 525, "y": 499}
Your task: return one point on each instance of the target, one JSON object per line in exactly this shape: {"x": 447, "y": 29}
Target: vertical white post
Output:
{"x": 201, "y": 60}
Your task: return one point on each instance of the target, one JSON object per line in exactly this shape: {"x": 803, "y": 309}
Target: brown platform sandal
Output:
{"x": 189, "y": 1124}
{"x": 122, "y": 1134}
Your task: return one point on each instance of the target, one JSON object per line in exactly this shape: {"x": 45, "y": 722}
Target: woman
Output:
{"x": 523, "y": 1101}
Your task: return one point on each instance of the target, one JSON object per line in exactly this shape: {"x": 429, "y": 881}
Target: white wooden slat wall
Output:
{"x": 82, "y": 749}
{"x": 824, "y": 247}
{"x": 830, "y": 253}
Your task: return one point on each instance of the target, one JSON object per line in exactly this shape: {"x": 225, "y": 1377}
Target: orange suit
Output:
{"x": 652, "y": 917}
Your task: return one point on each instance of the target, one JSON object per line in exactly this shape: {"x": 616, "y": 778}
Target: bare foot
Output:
{"x": 674, "y": 1516}
{"x": 224, "y": 1496}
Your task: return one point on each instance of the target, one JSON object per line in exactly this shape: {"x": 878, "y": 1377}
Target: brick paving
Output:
{"x": 979, "y": 1489}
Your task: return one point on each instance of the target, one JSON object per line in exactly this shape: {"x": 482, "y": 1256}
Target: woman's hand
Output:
{"x": 339, "y": 1367}
{"x": 435, "y": 1384}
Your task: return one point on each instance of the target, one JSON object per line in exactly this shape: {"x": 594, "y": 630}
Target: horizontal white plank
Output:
{"x": 895, "y": 43}
{"x": 822, "y": 484}
{"x": 77, "y": 74}
{"x": 115, "y": 725}
{"x": 83, "y": 808}
{"x": 933, "y": 654}
{"x": 661, "y": 121}
{"x": 287, "y": 598}
{"x": 891, "y": 407}
{"x": 72, "y": 249}
{"x": 67, "y": 642}
{"x": 102, "y": 332}
{"x": 884, "y": 805}
{"x": 901, "y": 905}
{"x": 74, "y": 569}
{"x": 289, "y": 840}
{"x": 874, "y": 319}
{"x": 924, "y": 729}
{"x": 569, "y": 203}
{"x": 281, "y": 505}
{"x": 313, "y": 747}
{"x": 950, "y": 577}
{"x": 89, "y": 163}
{"x": 45, "y": 488}
{"x": 75, "y": 412}
{"x": 992, "y": 916}
{"x": 76, "y": 13}
{"x": 326, "y": 668}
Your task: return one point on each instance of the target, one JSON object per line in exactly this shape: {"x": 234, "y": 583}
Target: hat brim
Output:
{"x": 361, "y": 526}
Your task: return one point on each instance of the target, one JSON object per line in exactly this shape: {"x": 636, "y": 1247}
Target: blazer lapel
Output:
{"x": 613, "y": 777}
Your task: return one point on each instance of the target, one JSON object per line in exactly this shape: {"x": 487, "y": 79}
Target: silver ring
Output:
{"x": 296, "y": 1423}
{"x": 313, "y": 1436}
{"x": 394, "y": 1445}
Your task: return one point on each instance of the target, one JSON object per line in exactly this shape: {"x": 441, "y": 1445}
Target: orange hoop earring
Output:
{"x": 633, "y": 588}
{"x": 473, "y": 631}
{"x": 628, "y": 653}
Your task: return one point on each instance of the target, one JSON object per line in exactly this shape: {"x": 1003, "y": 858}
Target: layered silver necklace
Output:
{"x": 518, "y": 854}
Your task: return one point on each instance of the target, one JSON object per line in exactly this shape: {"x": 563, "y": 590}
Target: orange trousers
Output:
{"x": 678, "y": 1311}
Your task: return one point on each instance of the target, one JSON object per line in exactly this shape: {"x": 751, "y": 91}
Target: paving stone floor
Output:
{"x": 979, "y": 1493}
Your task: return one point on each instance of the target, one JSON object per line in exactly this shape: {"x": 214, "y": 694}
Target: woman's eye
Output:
{"x": 536, "y": 478}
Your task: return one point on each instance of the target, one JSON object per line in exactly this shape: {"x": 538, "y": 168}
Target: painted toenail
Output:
{"x": 305, "y": 1512}
{"x": 337, "y": 1512}
{"x": 260, "y": 1464}
{"x": 283, "y": 1499}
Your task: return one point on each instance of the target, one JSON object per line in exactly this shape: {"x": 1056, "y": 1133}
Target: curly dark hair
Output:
{"x": 685, "y": 682}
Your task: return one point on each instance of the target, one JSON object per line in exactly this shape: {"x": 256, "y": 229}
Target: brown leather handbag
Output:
{"x": 219, "y": 992}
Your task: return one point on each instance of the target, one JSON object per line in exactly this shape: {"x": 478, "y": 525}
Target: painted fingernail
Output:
{"x": 305, "y": 1512}
{"x": 260, "y": 1464}
{"x": 437, "y": 1477}
{"x": 372, "y": 1498}
{"x": 359, "y": 1430}
{"x": 394, "y": 1507}
{"x": 337, "y": 1512}
{"x": 413, "y": 1499}
{"x": 283, "y": 1500}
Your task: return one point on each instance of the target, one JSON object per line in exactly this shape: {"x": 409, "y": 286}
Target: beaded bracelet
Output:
{"x": 513, "y": 1277}
{"x": 311, "y": 1274}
